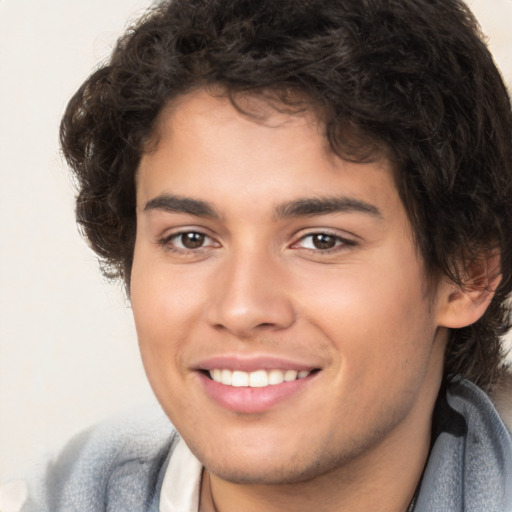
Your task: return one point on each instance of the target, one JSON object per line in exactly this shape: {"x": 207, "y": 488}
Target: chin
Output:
{"x": 277, "y": 469}
{"x": 264, "y": 476}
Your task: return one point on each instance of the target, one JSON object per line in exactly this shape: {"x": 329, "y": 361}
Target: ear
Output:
{"x": 463, "y": 305}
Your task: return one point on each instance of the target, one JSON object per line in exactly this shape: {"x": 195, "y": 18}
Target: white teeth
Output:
{"x": 256, "y": 379}
{"x": 239, "y": 379}
{"x": 225, "y": 377}
{"x": 275, "y": 377}
{"x": 290, "y": 375}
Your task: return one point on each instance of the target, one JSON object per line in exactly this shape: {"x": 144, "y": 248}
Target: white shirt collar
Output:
{"x": 182, "y": 481}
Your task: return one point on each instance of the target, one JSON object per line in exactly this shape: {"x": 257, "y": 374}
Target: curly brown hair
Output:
{"x": 413, "y": 78}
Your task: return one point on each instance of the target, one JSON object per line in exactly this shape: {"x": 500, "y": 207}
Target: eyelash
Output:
{"x": 169, "y": 244}
{"x": 340, "y": 243}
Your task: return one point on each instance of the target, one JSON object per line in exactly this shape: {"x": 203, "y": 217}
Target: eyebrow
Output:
{"x": 325, "y": 205}
{"x": 178, "y": 204}
{"x": 296, "y": 208}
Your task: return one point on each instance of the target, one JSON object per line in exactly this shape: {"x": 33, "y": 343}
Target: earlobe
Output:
{"x": 463, "y": 305}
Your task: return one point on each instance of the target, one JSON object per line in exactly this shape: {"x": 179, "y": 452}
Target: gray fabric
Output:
{"x": 116, "y": 467}
{"x": 119, "y": 467}
{"x": 471, "y": 472}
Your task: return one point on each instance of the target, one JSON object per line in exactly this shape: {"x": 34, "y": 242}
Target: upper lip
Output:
{"x": 251, "y": 364}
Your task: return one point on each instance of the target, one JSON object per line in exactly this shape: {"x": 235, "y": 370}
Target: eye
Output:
{"x": 187, "y": 241}
{"x": 191, "y": 240}
{"x": 323, "y": 242}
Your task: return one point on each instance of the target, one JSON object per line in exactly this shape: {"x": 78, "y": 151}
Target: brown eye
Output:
{"x": 323, "y": 241}
{"x": 188, "y": 243}
{"x": 192, "y": 240}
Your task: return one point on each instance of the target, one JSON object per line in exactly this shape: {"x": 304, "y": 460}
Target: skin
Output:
{"x": 356, "y": 435}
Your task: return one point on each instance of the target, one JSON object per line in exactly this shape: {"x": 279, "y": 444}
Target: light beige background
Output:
{"x": 68, "y": 352}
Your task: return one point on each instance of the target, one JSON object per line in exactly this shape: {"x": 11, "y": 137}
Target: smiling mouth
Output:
{"x": 256, "y": 379}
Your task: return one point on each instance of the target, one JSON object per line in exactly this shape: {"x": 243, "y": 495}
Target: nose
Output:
{"x": 251, "y": 296}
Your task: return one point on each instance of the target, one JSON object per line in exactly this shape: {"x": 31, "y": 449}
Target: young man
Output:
{"x": 310, "y": 204}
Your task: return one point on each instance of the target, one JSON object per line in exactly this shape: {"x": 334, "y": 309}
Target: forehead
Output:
{"x": 210, "y": 112}
{"x": 202, "y": 138}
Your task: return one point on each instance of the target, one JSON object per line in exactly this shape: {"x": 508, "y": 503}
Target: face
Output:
{"x": 279, "y": 298}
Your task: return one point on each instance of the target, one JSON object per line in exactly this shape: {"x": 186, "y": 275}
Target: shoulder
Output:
{"x": 117, "y": 466}
{"x": 492, "y": 408}
{"x": 501, "y": 396}
{"x": 470, "y": 463}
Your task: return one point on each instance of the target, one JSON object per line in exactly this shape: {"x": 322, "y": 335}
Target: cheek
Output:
{"x": 162, "y": 308}
{"x": 163, "y": 297}
{"x": 160, "y": 313}
{"x": 377, "y": 318}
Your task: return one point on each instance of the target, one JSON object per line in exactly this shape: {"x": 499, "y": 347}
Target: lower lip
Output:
{"x": 253, "y": 400}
